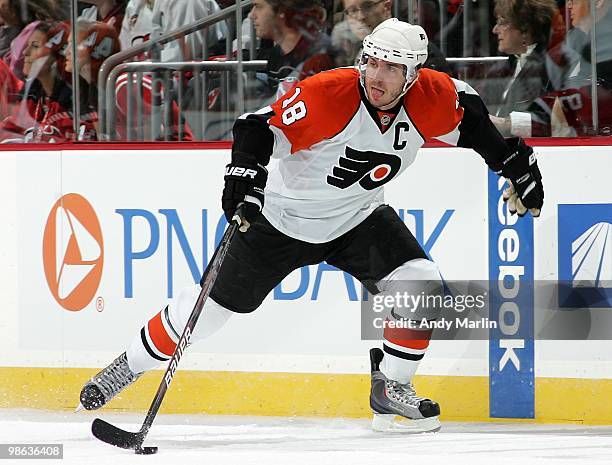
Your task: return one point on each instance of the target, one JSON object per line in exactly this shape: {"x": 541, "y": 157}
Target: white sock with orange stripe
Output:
{"x": 157, "y": 339}
{"x": 404, "y": 348}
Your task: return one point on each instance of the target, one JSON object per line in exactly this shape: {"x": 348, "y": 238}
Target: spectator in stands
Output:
{"x": 7, "y": 33}
{"x": 170, "y": 15}
{"x": 361, "y": 17}
{"x": 10, "y": 87}
{"x": 300, "y": 46}
{"x": 20, "y": 17}
{"x": 579, "y": 39}
{"x": 110, "y": 12}
{"x": 347, "y": 39}
{"x": 144, "y": 18}
{"x": 572, "y": 104}
{"x": 44, "y": 113}
{"x": 96, "y": 42}
{"x": 523, "y": 29}
{"x": 62, "y": 8}
{"x": 137, "y": 23}
{"x": 364, "y": 15}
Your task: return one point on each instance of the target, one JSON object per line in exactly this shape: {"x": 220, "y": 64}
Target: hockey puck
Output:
{"x": 146, "y": 450}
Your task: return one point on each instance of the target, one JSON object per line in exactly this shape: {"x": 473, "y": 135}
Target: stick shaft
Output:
{"x": 210, "y": 276}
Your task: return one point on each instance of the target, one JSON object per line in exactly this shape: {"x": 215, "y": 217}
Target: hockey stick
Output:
{"x": 110, "y": 434}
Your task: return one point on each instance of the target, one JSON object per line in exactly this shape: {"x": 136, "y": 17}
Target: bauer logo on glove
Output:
{"x": 245, "y": 181}
{"x": 240, "y": 172}
{"x": 525, "y": 189}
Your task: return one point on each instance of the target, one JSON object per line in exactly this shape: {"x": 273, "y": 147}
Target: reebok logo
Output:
{"x": 73, "y": 252}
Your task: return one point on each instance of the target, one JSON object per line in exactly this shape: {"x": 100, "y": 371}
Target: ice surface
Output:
{"x": 230, "y": 440}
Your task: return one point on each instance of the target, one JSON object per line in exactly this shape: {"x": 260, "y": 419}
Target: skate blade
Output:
{"x": 390, "y": 423}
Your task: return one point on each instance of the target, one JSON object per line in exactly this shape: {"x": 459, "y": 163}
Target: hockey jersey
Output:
{"x": 137, "y": 24}
{"x": 330, "y": 163}
{"x": 169, "y": 15}
{"x": 114, "y": 17}
{"x": 40, "y": 118}
{"x": 10, "y": 87}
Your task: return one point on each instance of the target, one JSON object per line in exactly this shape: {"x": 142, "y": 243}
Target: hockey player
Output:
{"x": 324, "y": 201}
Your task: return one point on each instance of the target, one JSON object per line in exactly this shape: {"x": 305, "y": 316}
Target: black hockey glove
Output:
{"x": 244, "y": 183}
{"x": 520, "y": 168}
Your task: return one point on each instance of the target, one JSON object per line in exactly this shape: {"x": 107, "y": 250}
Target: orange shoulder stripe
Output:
{"x": 432, "y": 104}
{"x": 322, "y": 108}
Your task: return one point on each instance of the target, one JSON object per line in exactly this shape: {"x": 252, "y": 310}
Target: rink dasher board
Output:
{"x": 162, "y": 188}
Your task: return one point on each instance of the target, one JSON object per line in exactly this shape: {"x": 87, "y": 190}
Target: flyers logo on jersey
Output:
{"x": 370, "y": 169}
{"x": 73, "y": 252}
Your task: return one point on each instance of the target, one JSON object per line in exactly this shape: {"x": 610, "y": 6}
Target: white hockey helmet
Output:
{"x": 397, "y": 42}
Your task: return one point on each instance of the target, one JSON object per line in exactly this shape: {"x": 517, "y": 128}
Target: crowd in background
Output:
{"x": 539, "y": 84}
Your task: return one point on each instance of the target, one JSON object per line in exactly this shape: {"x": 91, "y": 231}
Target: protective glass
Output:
{"x": 366, "y": 8}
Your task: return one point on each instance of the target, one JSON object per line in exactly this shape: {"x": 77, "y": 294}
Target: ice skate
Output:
{"x": 107, "y": 384}
{"x": 396, "y": 406}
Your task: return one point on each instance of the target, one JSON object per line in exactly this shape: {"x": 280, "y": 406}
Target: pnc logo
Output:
{"x": 73, "y": 252}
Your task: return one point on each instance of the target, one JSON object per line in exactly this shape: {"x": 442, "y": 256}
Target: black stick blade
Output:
{"x": 110, "y": 434}
{"x": 146, "y": 450}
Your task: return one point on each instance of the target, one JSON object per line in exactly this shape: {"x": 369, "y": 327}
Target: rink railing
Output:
{"x": 168, "y": 88}
{"x": 153, "y": 48}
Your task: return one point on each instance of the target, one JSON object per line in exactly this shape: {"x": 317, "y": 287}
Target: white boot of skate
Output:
{"x": 396, "y": 406}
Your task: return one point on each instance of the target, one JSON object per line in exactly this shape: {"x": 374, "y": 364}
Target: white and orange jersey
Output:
{"x": 333, "y": 155}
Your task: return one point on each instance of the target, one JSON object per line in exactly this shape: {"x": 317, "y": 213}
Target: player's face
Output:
{"x": 34, "y": 53}
{"x": 509, "y": 39}
{"x": 263, "y": 19}
{"x": 384, "y": 82}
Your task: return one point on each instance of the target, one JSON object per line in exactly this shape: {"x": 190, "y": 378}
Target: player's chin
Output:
{"x": 381, "y": 103}
{"x": 377, "y": 96}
